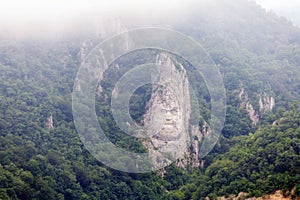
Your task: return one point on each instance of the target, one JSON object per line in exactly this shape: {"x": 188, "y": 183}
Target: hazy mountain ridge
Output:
{"x": 254, "y": 50}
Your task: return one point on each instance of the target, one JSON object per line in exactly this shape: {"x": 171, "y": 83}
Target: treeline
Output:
{"x": 259, "y": 163}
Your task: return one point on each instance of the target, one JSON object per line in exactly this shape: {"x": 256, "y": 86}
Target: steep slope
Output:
{"x": 258, "y": 54}
{"x": 259, "y": 164}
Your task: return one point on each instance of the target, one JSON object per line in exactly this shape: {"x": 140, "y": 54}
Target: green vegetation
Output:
{"x": 259, "y": 163}
{"x": 254, "y": 50}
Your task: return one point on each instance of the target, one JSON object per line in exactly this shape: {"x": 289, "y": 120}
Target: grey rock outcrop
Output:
{"x": 245, "y": 103}
{"x": 266, "y": 104}
{"x": 170, "y": 103}
{"x": 49, "y": 123}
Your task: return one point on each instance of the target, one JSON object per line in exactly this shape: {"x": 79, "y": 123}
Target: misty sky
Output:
{"x": 30, "y": 9}
{"x": 290, "y": 9}
{"x": 20, "y": 12}
{"x": 33, "y": 13}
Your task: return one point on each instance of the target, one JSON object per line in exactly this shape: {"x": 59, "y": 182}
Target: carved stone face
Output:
{"x": 169, "y": 102}
{"x": 172, "y": 126}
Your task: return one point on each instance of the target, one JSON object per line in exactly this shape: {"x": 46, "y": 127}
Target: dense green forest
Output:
{"x": 255, "y": 51}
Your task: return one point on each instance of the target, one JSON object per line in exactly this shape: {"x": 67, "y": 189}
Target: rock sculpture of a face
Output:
{"x": 169, "y": 102}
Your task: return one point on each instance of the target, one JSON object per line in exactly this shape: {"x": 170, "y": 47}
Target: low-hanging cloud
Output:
{"x": 55, "y": 18}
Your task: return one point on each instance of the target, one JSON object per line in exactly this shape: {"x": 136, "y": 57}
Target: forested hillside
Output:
{"x": 258, "y": 55}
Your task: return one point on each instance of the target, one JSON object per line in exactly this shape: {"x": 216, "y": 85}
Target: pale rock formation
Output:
{"x": 253, "y": 114}
{"x": 266, "y": 104}
{"x": 49, "y": 123}
{"x": 170, "y": 102}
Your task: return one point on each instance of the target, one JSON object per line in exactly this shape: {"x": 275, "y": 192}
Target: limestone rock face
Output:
{"x": 245, "y": 103}
{"x": 252, "y": 113}
{"x": 266, "y": 104}
{"x": 168, "y": 114}
{"x": 49, "y": 123}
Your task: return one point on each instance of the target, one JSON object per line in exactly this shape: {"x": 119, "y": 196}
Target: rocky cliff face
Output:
{"x": 245, "y": 103}
{"x": 191, "y": 157}
{"x": 266, "y": 104}
{"x": 170, "y": 103}
{"x": 49, "y": 123}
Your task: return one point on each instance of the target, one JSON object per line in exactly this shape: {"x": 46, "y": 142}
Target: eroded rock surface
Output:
{"x": 266, "y": 104}
{"x": 49, "y": 123}
{"x": 168, "y": 114}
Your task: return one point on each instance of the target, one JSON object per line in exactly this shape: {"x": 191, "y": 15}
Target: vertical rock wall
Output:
{"x": 170, "y": 102}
